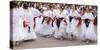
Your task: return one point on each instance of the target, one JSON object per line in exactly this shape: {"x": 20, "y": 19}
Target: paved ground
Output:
{"x": 50, "y": 42}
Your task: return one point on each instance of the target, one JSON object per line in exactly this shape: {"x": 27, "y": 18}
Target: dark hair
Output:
{"x": 25, "y": 6}
{"x": 83, "y": 9}
{"x": 86, "y": 8}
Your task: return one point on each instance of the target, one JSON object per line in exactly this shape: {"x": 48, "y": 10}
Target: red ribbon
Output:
{"x": 48, "y": 21}
{"x": 34, "y": 20}
{"x": 80, "y": 21}
{"x": 95, "y": 22}
{"x": 25, "y": 24}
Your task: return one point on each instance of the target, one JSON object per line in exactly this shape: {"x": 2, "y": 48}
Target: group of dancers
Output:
{"x": 61, "y": 21}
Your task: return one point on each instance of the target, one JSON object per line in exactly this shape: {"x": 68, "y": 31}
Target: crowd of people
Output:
{"x": 61, "y": 21}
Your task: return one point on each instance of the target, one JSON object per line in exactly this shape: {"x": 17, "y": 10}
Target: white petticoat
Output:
{"x": 88, "y": 33}
{"x": 46, "y": 29}
{"x": 31, "y": 35}
{"x": 61, "y": 31}
{"x": 68, "y": 24}
{"x": 73, "y": 27}
{"x": 18, "y": 31}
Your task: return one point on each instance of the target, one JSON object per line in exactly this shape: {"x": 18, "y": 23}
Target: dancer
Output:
{"x": 87, "y": 28}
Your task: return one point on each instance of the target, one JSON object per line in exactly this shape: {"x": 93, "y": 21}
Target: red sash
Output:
{"x": 48, "y": 21}
{"x": 95, "y": 22}
{"x": 80, "y": 21}
{"x": 25, "y": 24}
{"x": 34, "y": 22}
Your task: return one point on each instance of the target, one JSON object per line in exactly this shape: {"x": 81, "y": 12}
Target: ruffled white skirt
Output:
{"x": 61, "y": 32}
{"x": 46, "y": 29}
{"x": 88, "y": 33}
{"x": 74, "y": 28}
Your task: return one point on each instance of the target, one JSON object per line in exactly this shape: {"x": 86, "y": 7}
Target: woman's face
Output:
{"x": 87, "y": 9}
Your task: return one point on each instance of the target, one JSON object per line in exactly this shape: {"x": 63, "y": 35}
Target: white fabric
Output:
{"x": 68, "y": 25}
{"x": 88, "y": 33}
{"x": 18, "y": 31}
{"x": 46, "y": 29}
{"x": 73, "y": 27}
{"x": 88, "y": 16}
{"x": 38, "y": 24}
{"x": 47, "y": 13}
{"x": 61, "y": 32}
{"x": 74, "y": 13}
{"x": 74, "y": 22}
{"x": 65, "y": 14}
{"x": 33, "y": 13}
{"x": 56, "y": 12}
{"x": 28, "y": 16}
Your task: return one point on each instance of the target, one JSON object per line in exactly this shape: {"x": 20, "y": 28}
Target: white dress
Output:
{"x": 73, "y": 23}
{"x": 56, "y": 30}
{"x": 18, "y": 31}
{"x": 47, "y": 28}
{"x": 83, "y": 30}
{"x": 61, "y": 32}
{"x": 73, "y": 27}
{"x": 29, "y": 15}
{"x": 36, "y": 13}
{"x": 88, "y": 33}
{"x": 65, "y": 13}
{"x": 56, "y": 12}
{"x": 38, "y": 24}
